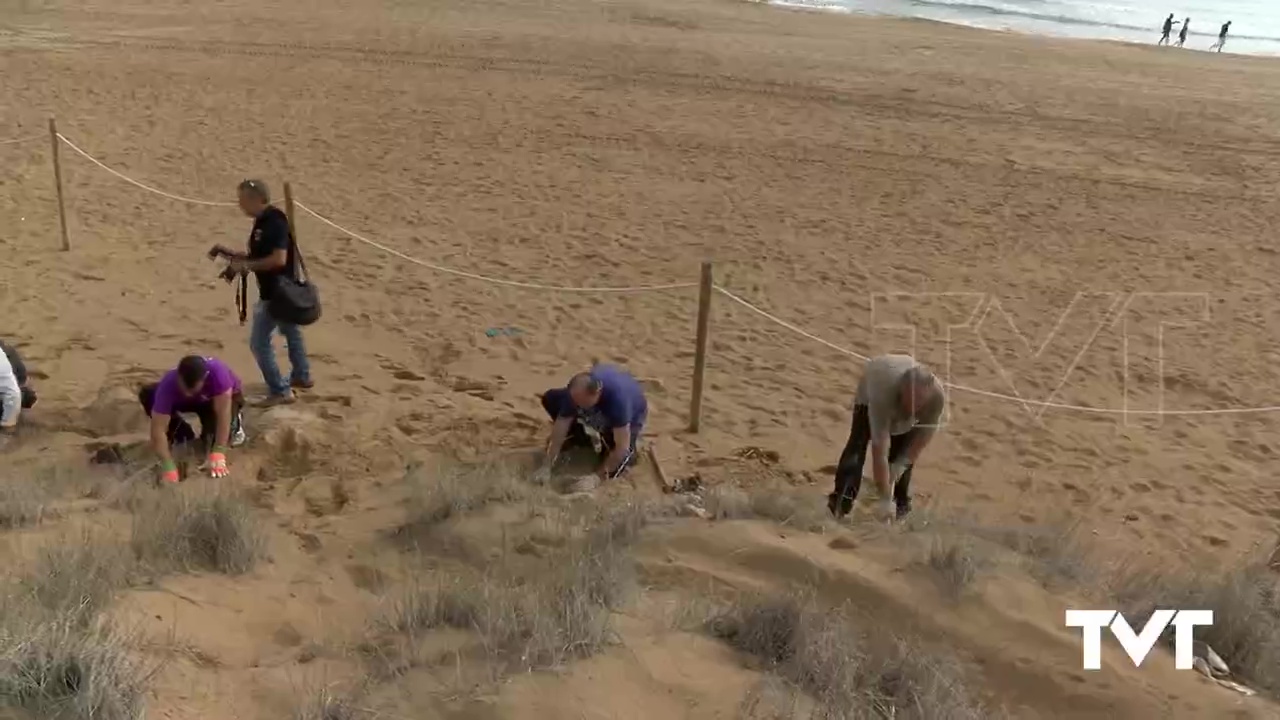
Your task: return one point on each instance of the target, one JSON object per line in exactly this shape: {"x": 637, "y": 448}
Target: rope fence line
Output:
{"x": 485, "y": 278}
{"x": 707, "y": 288}
{"x": 19, "y": 140}
{"x": 131, "y": 181}
{"x": 988, "y": 393}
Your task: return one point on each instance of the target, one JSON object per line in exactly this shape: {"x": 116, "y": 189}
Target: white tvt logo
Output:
{"x": 1138, "y": 645}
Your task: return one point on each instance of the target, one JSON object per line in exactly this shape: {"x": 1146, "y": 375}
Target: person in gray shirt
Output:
{"x": 895, "y": 412}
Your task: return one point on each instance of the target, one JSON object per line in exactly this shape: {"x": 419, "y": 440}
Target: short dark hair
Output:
{"x": 256, "y": 187}
{"x": 192, "y": 369}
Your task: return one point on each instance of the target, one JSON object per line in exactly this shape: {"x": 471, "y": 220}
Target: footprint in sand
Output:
{"x": 308, "y": 542}
{"x": 287, "y": 636}
{"x": 343, "y": 400}
{"x": 842, "y": 543}
{"x": 366, "y": 577}
{"x": 400, "y": 372}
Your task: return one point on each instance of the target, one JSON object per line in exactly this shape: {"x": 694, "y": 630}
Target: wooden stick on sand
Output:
{"x": 665, "y": 484}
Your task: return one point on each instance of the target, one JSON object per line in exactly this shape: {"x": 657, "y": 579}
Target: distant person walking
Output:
{"x": 269, "y": 257}
{"x": 1166, "y": 30}
{"x": 1182, "y": 34}
{"x": 1222, "y": 37}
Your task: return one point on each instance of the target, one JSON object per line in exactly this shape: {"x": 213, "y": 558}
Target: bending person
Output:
{"x": 10, "y": 397}
{"x": 207, "y": 388}
{"x": 29, "y": 398}
{"x": 896, "y": 412}
{"x": 606, "y": 400}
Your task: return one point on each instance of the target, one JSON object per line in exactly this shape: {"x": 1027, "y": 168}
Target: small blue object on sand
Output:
{"x": 509, "y": 331}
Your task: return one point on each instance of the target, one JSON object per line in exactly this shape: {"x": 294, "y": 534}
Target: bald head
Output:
{"x": 919, "y": 388}
{"x": 585, "y": 390}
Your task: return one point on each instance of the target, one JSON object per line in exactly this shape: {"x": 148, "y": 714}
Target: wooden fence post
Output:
{"x": 288, "y": 210}
{"x": 700, "y": 356}
{"x": 57, "y": 179}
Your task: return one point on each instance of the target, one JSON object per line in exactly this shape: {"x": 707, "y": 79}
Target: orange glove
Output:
{"x": 218, "y": 464}
{"x": 169, "y": 472}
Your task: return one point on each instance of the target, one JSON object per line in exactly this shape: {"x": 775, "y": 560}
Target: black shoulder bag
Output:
{"x": 296, "y": 300}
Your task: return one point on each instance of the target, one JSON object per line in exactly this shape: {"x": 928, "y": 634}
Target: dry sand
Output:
{"x": 1072, "y": 201}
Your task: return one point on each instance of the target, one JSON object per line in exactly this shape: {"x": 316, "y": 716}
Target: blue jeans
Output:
{"x": 260, "y": 343}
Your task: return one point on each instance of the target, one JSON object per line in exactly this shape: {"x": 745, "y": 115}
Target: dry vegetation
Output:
{"x": 839, "y": 671}
{"x": 325, "y": 704}
{"x": 1245, "y": 599}
{"x": 781, "y": 505}
{"x": 198, "y": 527}
{"x": 438, "y": 493}
{"x": 525, "y": 616}
{"x": 956, "y": 562}
{"x": 61, "y": 657}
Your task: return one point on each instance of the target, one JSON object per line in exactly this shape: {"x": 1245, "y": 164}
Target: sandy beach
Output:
{"x": 1078, "y": 223}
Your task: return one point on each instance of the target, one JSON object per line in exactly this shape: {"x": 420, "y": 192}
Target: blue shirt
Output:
{"x": 621, "y": 403}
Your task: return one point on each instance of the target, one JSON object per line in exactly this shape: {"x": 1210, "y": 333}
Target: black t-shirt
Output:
{"x": 270, "y": 233}
{"x": 19, "y": 368}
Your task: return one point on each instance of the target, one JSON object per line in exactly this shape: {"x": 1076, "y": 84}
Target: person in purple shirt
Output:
{"x": 605, "y": 399}
{"x": 207, "y": 388}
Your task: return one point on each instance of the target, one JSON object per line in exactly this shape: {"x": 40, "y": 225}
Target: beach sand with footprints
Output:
{"x": 1081, "y": 224}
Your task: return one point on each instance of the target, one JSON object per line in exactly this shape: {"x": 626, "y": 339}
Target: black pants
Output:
{"x": 180, "y": 431}
{"x": 556, "y": 398}
{"x": 849, "y": 470}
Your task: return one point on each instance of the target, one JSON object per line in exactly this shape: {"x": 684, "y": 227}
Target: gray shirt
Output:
{"x": 881, "y": 391}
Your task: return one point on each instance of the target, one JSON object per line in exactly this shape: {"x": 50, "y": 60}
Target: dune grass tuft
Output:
{"x": 844, "y": 673}
{"x": 204, "y": 527}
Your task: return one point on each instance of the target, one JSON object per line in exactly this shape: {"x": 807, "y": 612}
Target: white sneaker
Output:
{"x": 238, "y": 437}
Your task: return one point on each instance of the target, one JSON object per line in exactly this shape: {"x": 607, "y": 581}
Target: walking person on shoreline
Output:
{"x": 1182, "y": 34}
{"x": 269, "y": 257}
{"x": 1222, "y": 37}
{"x": 1166, "y": 30}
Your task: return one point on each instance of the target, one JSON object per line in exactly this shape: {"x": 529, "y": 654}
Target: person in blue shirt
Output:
{"x": 605, "y": 399}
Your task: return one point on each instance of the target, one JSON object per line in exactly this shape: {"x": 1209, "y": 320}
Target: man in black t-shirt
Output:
{"x": 269, "y": 257}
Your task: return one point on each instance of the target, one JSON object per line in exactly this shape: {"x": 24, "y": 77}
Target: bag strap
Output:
{"x": 242, "y": 297}
{"x": 299, "y": 264}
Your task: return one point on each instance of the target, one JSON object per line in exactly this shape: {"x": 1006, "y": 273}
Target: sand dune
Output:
{"x": 1086, "y": 224}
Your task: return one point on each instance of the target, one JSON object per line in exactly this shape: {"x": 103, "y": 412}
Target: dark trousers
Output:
{"x": 849, "y": 470}
{"x": 180, "y": 431}
{"x": 556, "y": 398}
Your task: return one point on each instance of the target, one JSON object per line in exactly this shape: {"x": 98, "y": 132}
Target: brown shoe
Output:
{"x": 274, "y": 400}
{"x": 302, "y": 384}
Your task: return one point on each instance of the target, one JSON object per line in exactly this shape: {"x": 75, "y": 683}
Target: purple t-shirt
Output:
{"x": 169, "y": 397}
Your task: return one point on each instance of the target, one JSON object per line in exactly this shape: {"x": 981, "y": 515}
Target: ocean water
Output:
{"x": 1255, "y": 24}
